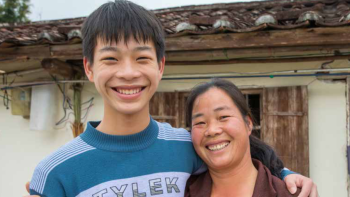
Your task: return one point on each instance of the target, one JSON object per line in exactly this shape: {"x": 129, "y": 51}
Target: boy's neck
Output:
{"x": 114, "y": 123}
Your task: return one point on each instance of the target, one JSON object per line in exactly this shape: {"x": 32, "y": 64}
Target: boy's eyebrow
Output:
{"x": 109, "y": 48}
{"x": 142, "y": 48}
{"x": 115, "y": 49}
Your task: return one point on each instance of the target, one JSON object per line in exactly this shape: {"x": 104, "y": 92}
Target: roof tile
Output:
{"x": 198, "y": 20}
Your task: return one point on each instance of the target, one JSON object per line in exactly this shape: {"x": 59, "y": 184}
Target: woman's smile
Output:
{"x": 217, "y": 146}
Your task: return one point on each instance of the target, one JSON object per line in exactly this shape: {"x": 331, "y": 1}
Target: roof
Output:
{"x": 198, "y": 19}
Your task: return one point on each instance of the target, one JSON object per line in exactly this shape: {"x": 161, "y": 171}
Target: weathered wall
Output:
{"x": 21, "y": 149}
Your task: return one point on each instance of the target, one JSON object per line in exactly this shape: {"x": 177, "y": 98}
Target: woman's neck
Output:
{"x": 239, "y": 181}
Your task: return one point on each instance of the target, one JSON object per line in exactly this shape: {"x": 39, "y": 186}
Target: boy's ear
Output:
{"x": 88, "y": 69}
{"x": 161, "y": 67}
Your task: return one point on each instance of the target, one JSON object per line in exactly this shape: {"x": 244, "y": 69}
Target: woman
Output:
{"x": 221, "y": 126}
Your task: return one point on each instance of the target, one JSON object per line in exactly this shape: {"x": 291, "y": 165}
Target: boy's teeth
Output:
{"x": 128, "y": 91}
{"x": 218, "y": 146}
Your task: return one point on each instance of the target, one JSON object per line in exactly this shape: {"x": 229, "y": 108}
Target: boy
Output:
{"x": 127, "y": 153}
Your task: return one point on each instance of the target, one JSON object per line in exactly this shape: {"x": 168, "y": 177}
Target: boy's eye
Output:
{"x": 110, "y": 59}
{"x": 143, "y": 58}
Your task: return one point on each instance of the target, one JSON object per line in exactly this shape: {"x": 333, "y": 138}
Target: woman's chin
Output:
{"x": 219, "y": 164}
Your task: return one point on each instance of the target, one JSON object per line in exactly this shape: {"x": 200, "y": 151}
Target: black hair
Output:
{"x": 119, "y": 20}
{"x": 258, "y": 149}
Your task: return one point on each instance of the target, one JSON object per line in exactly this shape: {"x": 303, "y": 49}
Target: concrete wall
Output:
{"x": 21, "y": 149}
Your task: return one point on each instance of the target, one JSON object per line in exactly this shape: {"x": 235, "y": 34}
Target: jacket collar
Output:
{"x": 202, "y": 185}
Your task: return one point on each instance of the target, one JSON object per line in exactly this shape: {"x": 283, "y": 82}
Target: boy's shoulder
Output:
{"x": 167, "y": 132}
{"x": 71, "y": 149}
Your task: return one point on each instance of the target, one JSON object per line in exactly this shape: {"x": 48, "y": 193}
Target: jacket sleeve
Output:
{"x": 285, "y": 172}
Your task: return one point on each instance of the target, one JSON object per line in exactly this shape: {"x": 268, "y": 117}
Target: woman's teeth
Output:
{"x": 128, "y": 91}
{"x": 218, "y": 146}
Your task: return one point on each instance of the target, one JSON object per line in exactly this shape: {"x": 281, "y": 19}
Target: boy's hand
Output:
{"x": 27, "y": 187}
{"x": 308, "y": 187}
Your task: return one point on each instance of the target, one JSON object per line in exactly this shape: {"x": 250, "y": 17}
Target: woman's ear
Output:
{"x": 249, "y": 123}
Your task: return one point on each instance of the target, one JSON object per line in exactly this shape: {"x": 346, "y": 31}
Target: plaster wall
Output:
{"x": 22, "y": 149}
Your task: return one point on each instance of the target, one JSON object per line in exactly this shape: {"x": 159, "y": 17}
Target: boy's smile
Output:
{"x": 126, "y": 74}
{"x": 128, "y": 92}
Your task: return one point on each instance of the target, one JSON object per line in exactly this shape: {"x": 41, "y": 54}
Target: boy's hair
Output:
{"x": 116, "y": 21}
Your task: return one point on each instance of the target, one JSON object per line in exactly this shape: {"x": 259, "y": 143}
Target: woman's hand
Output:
{"x": 308, "y": 187}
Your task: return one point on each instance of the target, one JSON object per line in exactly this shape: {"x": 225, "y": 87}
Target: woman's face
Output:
{"x": 220, "y": 134}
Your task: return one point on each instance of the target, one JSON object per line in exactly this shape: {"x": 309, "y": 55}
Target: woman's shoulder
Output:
{"x": 199, "y": 185}
{"x": 269, "y": 185}
{"x": 281, "y": 188}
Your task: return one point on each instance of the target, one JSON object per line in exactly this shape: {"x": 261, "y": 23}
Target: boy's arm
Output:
{"x": 45, "y": 183}
{"x": 294, "y": 180}
{"x": 200, "y": 166}
{"x": 27, "y": 188}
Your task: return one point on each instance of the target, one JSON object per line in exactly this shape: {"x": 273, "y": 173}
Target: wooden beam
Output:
{"x": 258, "y": 53}
{"x": 268, "y": 60}
{"x": 252, "y": 91}
{"x": 262, "y": 39}
{"x": 30, "y": 52}
{"x": 19, "y": 64}
{"x": 72, "y": 52}
{"x": 58, "y": 67}
{"x": 274, "y": 46}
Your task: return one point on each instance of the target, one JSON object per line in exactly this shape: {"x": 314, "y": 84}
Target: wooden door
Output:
{"x": 169, "y": 107}
{"x": 285, "y": 125}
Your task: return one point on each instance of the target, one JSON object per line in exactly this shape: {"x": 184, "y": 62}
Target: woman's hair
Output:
{"x": 258, "y": 149}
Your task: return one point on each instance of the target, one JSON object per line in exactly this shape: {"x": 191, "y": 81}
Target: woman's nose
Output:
{"x": 213, "y": 129}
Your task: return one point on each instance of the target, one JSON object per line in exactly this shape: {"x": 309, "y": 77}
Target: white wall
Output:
{"x": 327, "y": 122}
{"x": 21, "y": 149}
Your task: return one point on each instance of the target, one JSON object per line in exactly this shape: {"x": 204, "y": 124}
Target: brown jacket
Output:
{"x": 266, "y": 184}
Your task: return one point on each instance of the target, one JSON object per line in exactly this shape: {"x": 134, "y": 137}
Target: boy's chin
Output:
{"x": 129, "y": 109}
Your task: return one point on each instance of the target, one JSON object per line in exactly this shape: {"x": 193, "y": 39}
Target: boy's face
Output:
{"x": 126, "y": 76}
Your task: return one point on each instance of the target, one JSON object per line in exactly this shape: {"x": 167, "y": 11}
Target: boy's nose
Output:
{"x": 128, "y": 72}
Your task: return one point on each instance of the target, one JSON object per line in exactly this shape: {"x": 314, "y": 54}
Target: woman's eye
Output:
{"x": 223, "y": 117}
{"x": 199, "y": 123}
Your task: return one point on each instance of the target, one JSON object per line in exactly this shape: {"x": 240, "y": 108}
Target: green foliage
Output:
{"x": 14, "y": 11}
